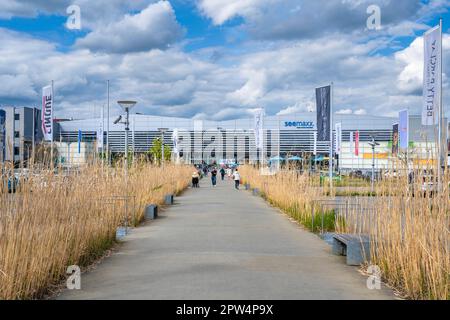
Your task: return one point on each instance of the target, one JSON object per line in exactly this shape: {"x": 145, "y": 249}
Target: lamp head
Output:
{"x": 373, "y": 143}
{"x": 126, "y": 104}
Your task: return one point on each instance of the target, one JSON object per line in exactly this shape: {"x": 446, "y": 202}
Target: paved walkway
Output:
{"x": 219, "y": 243}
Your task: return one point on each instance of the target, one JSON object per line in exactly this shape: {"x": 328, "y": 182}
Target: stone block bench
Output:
{"x": 168, "y": 199}
{"x": 151, "y": 212}
{"x": 121, "y": 233}
{"x": 355, "y": 247}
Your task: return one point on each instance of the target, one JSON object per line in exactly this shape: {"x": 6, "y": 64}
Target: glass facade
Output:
{"x": 211, "y": 141}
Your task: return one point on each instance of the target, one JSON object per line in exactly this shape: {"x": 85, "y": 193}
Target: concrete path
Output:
{"x": 220, "y": 243}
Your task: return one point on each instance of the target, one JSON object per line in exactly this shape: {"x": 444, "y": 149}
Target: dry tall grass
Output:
{"x": 60, "y": 220}
{"x": 287, "y": 190}
{"x": 409, "y": 231}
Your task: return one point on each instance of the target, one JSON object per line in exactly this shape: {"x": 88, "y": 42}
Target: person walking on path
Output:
{"x": 214, "y": 177}
{"x": 222, "y": 173}
{"x": 237, "y": 179}
{"x": 229, "y": 173}
{"x": 195, "y": 179}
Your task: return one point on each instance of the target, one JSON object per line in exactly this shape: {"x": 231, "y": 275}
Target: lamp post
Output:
{"x": 373, "y": 144}
{"x": 221, "y": 148}
{"x": 162, "y": 131}
{"x": 126, "y": 106}
{"x": 108, "y": 152}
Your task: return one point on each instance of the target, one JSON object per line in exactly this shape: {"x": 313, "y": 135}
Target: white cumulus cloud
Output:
{"x": 154, "y": 27}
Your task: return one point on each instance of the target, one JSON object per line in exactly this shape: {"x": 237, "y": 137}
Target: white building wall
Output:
{"x": 68, "y": 153}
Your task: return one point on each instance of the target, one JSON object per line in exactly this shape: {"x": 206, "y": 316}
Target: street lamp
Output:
{"x": 126, "y": 106}
{"x": 222, "y": 147}
{"x": 162, "y": 131}
{"x": 373, "y": 144}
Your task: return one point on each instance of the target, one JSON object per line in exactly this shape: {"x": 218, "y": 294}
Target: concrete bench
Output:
{"x": 121, "y": 233}
{"x": 168, "y": 199}
{"x": 355, "y": 247}
{"x": 151, "y": 212}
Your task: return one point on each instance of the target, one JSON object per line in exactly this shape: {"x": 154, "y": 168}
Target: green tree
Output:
{"x": 156, "y": 151}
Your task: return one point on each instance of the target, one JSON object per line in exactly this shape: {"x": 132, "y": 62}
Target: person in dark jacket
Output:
{"x": 214, "y": 177}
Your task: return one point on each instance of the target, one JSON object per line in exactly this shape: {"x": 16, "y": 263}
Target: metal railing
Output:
{"x": 340, "y": 209}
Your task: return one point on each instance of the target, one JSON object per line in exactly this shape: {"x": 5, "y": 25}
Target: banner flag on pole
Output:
{"x": 175, "y": 141}
{"x": 357, "y": 143}
{"x": 323, "y": 103}
{"x": 259, "y": 128}
{"x": 47, "y": 113}
{"x": 395, "y": 140}
{"x": 315, "y": 144}
{"x": 100, "y": 134}
{"x": 403, "y": 129}
{"x": 80, "y": 136}
{"x": 432, "y": 77}
{"x": 2, "y": 134}
{"x": 338, "y": 129}
{"x": 352, "y": 139}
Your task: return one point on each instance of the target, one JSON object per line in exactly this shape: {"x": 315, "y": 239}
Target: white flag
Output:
{"x": 403, "y": 129}
{"x": 315, "y": 143}
{"x": 432, "y": 77}
{"x": 47, "y": 113}
{"x": 175, "y": 141}
{"x": 351, "y": 143}
{"x": 100, "y": 133}
{"x": 338, "y": 138}
{"x": 259, "y": 129}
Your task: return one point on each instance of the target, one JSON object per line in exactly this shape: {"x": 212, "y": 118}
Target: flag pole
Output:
{"x": 407, "y": 143}
{"x": 107, "y": 126}
{"x": 33, "y": 138}
{"x": 331, "y": 139}
{"x": 441, "y": 107}
{"x": 51, "y": 143}
{"x": 263, "y": 139}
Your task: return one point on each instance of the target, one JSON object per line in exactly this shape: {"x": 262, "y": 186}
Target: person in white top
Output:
{"x": 237, "y": 179}
{"x": 229, "y": 173}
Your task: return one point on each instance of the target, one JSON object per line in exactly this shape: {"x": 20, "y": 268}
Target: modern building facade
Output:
{"x": 21, "y": 130}
{"x": 199, "y": 141}
{"x": 217, "y": 141}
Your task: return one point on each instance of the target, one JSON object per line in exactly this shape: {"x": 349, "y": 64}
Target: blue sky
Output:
{"x": 200, "y": 32}
{"x": 217, "y": 59}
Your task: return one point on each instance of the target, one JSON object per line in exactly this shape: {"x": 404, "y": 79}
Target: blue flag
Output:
{"x": 80, "y": 136}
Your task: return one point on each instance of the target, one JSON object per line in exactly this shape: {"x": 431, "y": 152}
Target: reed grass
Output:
{"x": 409, "y": 230}
{"x": 58, "y": 220}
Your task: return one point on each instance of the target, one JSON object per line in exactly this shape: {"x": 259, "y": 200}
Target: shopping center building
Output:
{"x": 227, "y": 141}
{"x": 197, "y": 141}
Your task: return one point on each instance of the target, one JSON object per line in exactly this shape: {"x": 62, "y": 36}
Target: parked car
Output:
{"x": 391, "y": 174}
{"x": 357, "y": 174}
